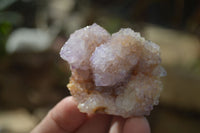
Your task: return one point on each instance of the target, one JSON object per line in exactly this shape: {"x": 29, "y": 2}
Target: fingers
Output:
{"x": 63, "y": 118}
{"x": 136, "y": 125}
{"x": 66, "y": 118}
{"x": 117, "y": 125}
{"x": 98, "y": 123}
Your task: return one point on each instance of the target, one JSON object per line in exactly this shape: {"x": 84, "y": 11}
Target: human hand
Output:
{"x": 66, "y": 118}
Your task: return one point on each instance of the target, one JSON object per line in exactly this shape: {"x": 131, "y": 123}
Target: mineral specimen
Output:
{"x": 116, "y": 74}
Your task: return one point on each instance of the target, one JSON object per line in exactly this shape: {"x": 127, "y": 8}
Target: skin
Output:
{"x": 66, "y": 118}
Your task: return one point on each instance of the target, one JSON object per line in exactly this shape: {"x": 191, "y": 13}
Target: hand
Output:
{"x": 66, "y": 118}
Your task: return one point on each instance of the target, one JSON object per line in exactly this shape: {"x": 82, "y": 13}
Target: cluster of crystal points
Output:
{"x": 117, "y": 74}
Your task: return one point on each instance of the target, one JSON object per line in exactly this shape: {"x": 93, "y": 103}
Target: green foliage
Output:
{"x": 5, "y": 29}
{"x": 6, "y": 21}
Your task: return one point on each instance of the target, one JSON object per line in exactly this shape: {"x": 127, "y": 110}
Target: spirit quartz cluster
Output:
{"x": 116, "y": 74}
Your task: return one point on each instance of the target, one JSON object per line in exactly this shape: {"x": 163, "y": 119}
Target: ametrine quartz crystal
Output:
{"x": 116, "y": 74}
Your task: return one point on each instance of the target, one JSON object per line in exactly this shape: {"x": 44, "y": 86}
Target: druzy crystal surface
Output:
{"x": 116, "y": 74}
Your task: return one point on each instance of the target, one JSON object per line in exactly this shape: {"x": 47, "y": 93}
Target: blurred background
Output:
{"x": 33, "y": 77}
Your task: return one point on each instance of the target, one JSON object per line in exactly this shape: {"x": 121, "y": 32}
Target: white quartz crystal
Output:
{"x": 81, "y": 44}
{"x": 117, "y": 74}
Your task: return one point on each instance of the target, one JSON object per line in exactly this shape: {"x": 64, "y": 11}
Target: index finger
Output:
{"x": 63, "y": 118}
